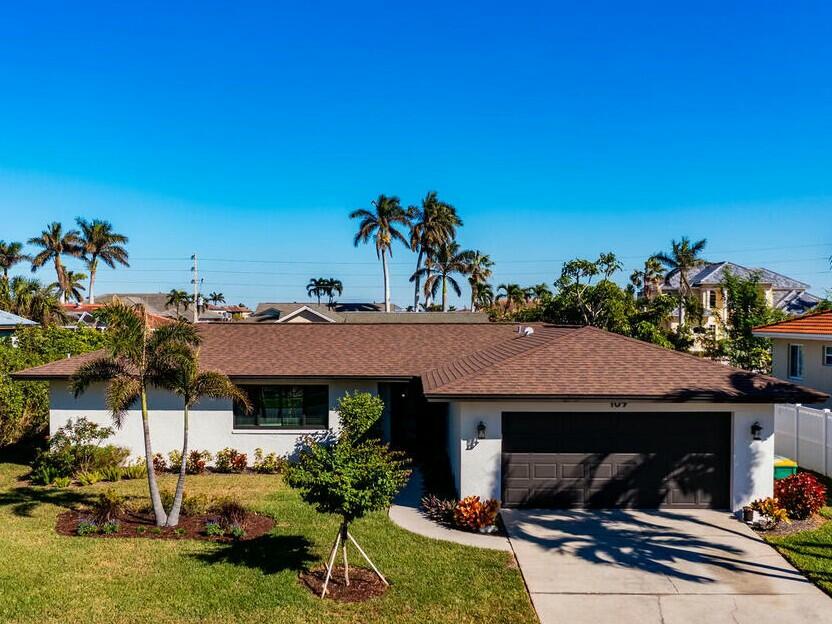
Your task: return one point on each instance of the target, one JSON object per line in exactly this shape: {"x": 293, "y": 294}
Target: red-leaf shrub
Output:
{"x": 801, "y": 495}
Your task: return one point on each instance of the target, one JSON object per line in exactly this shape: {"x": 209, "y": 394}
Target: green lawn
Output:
{"x": 45, "y": 577}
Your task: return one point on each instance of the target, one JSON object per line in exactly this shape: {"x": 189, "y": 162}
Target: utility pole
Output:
{"x": 195, "y": 282}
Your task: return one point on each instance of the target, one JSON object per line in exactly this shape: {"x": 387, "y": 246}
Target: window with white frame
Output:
{"x": 711, "y": 299}
{"x": 796, "y": 361}
{"x": 827, "y": 355}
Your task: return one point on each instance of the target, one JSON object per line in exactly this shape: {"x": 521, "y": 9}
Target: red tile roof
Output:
{"x": 474, "y": 361}
{"x": 819, "y": 324}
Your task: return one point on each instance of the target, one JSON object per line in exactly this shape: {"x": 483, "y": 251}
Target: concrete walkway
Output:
{"x": 406, "y": 512}
{"x": 646, "y": 567}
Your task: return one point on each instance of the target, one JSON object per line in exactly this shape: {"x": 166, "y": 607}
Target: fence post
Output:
{"x": 825, "y": 442}
{"x": 797, "y": 433}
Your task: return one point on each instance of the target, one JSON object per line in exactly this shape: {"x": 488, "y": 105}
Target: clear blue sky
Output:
{"x": 247, "y": 133}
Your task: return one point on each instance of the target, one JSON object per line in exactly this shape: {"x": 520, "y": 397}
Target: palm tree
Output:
{"x": 139, "y": 358}
{"x": 682, "y": 258}
{"x": 99, "y": 242}
{"x": 177, "y": 299}
{"x": 192, "y": 384}
{"x": 71, "y": 288}
{"x": 30, "y": 299}
{"x": 479, "y": 272}
{"x": 333, "y": 287}
{"x": 215, "y": 298}
{"x": 56, "y": 243}
{"x": 316, "y": 288}
{"x": 10, "y": 255}
{"x": 648, "y": 279}
{"x": 432, "y": 224}
{"x": 538, "y": 292}
{"x": 447, "y": 261}
{"x": 512, "y": 294}
{"x": 380, "y": 224}
{"x": 483, "y": 296}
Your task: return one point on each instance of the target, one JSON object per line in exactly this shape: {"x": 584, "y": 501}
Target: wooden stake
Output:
{"x": 346, "y": 564}
{"x": 363, "y": 554}
{"x": 331, "y": 563}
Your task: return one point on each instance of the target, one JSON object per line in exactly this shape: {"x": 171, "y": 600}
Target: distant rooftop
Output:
{"x": 9, "y": 320}
{"x": 355, "y": 313}
{"x": 713, "y": 274}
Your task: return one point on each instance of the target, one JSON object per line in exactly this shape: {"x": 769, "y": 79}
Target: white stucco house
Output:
{"x": 538, "y": 415}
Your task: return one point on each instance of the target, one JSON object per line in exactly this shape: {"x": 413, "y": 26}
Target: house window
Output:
{"x": 284, "y": 407}
{"x": 827, "y": 355}
{"x": 796, "y": 361}
{"x": 711, "y": 299}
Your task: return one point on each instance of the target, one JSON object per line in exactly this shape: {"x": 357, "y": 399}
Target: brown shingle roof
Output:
{"x": 817, "y": 324}
{"x": 475, "y": 361}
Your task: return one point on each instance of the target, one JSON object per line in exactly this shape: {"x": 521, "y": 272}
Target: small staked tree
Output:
{"x": 191, "y": 383}
{"x": 139, "y": 358}
{"x": 350, "y": 476}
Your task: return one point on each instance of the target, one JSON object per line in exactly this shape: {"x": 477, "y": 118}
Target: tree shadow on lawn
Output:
{"x": 268, "y": 553}
{"x": 24, "y": 500}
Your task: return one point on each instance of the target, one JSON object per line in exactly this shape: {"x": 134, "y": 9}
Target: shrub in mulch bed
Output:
{"x": 364, "y": 584}
{"x": 134, "y": 524}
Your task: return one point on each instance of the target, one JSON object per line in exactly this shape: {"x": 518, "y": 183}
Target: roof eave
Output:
{"x": 693, "y": 398}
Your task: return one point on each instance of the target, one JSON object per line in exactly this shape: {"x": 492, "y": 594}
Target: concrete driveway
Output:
{"x": 656, "y": 566}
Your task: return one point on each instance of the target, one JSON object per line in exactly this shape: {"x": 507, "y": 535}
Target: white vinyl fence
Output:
{"x": 803, "y": 434}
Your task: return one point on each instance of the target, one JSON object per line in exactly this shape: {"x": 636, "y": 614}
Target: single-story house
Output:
{"x": 9, "y": 323}
{"x": 533, "y": 415}
{"x": 802, "y": 350}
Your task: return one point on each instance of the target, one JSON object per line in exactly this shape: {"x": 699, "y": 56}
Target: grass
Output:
{"x": 811, "y": 551}
{"x": 45, "y": 577}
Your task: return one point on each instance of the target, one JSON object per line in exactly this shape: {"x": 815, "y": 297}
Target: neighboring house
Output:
{"x": 781, "y": 292}
{"x": 224, "y": 313}
{"x": 802, "y": 350}
{"x": 9, "y": 323}
{"x": 355, "y": 313}
{"x": 83, "y": 315}
{"x": 155, "y": 303}
{"x": 547, "y": 416}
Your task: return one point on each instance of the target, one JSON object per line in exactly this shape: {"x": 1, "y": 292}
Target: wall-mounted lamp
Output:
{"x": 481, "y": 431}
{"x": 756, "y": 429}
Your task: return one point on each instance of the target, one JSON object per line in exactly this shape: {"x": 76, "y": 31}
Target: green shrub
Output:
{"x": 88, "y": 478}
{"x": 156, "y": 530}
{"x": 109, "y": 506}
{"x": 113, "y": 473}
{"x": 134, "y": 471}
{"x": 109, "y": 528}
{"x": 51, "y": 464}
{"x": 179, "y": 532}
{"x": 62, "y": 482}
{"x": 238, "y": 532}
{"x": 109, "y": 456}
{"x": 175, "y": 461}
{"x": 195, "y": 505}
{"x": 230, "y": 460}
{"x": 213, "y": 529}
{"x": 268, "y": 464}
{"x": 85, "y": 527}
{"x": 140, "y": 530}
{"x": 44, "y": 475}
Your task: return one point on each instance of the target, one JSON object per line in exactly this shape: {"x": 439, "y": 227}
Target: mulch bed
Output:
{"x": 133, "y": 524}
{"x": 796, "y": 526}
{"x": 364, "y": 584}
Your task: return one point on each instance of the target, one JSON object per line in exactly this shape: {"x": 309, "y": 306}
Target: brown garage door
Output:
{"x": 607, "y": 459}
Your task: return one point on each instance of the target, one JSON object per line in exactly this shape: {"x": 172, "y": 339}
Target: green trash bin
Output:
{"x": 784, "y": 467}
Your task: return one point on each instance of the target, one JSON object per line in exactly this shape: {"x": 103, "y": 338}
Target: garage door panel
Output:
{"x": 649, "y": 460}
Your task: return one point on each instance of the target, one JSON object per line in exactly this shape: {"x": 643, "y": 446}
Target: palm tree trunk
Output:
{"x": 155, "y": 499}
{"x": 428, "y": 293}
{"x": 93, "y": 269}
{"x": 444, "y": 294}
{"x": 418, "y": 280}
{"x": 59, "y": 271}
{"x": 386, "y": 281}
{"x": 173, "y": 516}
{"x": 473, "y": 298}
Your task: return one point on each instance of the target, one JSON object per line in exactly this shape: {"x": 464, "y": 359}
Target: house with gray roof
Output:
{"x": 9, "y": 323}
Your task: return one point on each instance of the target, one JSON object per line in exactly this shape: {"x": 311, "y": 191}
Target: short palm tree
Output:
{"x": 317, "y": 288}
{"x": 139, "y": 358}
{"x": 10, "y": 255}
{"x": 71, "y": 288}
{"x": 448, "y": 260}
{"x": 54, "y": 243}
{"x": 380, "y": 224}
{"x": 538, "y": 292}
{"x": 479, "y": 272}
{"x": 648, "y": 279}
{"x": 178, "y": 299}
{"x": 215, "y": 298}
{"x": 683, "y": 257}
{"x": 192, "y": 384}
{"x": 333, "y": 287}
{"x": 483, "y": 295}
{"x": 512, "y": 294}
{"x": 100, "y": 242}
{"x": 432, "y": 224}
{"x": 30, "y": 299}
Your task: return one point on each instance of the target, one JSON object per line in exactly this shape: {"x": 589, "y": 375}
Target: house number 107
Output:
{"x": 618, "y": 404}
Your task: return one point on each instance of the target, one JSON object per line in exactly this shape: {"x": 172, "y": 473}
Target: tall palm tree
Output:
{"x": 177, "y": 299}
{"x": 55, "y": 243}
{"x": 648, "y": 279}
{"x": 215, "y": 298}
{"x": 380, "y": 225}
{"x": 30, "y": 299}
{"x": 432, "y": 224}
{"x": 512, "y": 294}
{"x": 100, "y": 242}
{"x": 139, "y": 358}
{"x": 448, "y": 261}
{"x": 479, "y": 272}
{"x": 10, "y": 255}
{"x": 71, "y": 289}
{"x": 483, "y": 296}
{"x": 333, "y": 287}
{"x": 316, "y": 288}
{"x": 192, "y": 384}
{"x": 682, "y": 258}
